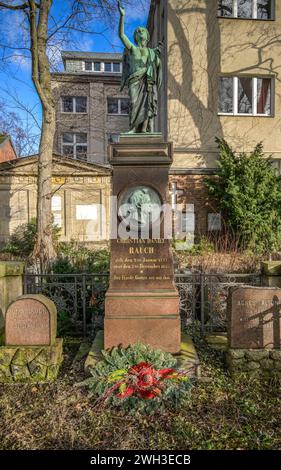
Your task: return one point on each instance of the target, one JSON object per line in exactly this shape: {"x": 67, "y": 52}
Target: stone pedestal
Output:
{"x": 30, "y": 363}
{"x": 271, "y": 273}
{"x": 31, "y": 353}
{"x": 142, "y": 302}
{"x": 262, "y": 363}
{"x": 10, "y": 287}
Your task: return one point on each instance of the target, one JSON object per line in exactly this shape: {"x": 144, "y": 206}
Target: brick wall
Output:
{"x": 7, "y": 152}
{"x": 195, "y": 192}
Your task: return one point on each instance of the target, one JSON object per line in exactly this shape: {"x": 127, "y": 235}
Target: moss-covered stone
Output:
{"x": 256, "y": 354}
{"x": 218, "y": 341}
{"x": 20, "y": 373}
{"x": 267, "y": 364}
{"x": 236, "y": 353}
{"x": 276, "y": 354}
{"x": 31, "y": 363}
{"x": 277, "y": 365}
{"x": 19, "y": 357}
{"x": 271, "y": 268}
{"x": 252, "y": 365}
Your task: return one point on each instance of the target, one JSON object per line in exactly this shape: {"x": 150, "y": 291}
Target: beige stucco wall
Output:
{"x": 75, "y": 184}
{"x": 200, "y": 47}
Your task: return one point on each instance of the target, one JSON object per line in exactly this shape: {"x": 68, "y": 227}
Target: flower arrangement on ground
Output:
{"x": 138, "y": 377}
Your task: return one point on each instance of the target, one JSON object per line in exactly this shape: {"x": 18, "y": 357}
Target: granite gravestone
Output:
{"x": 254, "y": 318}
{"x": 31, "y": 320}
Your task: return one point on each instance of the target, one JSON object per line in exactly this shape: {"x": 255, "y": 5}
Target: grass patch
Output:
{"x": 221, "y": 414}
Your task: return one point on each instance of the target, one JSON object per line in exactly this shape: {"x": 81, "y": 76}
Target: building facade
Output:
{"x": 80, "y": 198}
{"x": 222, "y": 79}
{"x": 91, "y": 109}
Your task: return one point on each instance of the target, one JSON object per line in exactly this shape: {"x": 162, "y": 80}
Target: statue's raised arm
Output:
{"x": 126, "y": 41}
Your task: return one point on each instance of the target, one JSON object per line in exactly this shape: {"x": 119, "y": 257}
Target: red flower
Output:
{"x": 143, "y": 381}
{"x": 127, "y": 393}
{"x": 148, "y": 394}
{"x": 138, "y": 367}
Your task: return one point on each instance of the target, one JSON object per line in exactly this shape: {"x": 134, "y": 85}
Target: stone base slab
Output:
{"x": 159, "y": 332}
{"x": 128, "y": 304}
{"x": 187, "y": 356}
{"x": 262, "y": 363}
{"x": 30, "y": 363}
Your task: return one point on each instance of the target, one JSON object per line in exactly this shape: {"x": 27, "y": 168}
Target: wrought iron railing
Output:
{"x": 204, "y": 297}
{"x": 80, "y": 297}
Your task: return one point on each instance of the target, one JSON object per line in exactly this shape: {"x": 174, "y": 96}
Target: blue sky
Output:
{"x": 16, "y": 86}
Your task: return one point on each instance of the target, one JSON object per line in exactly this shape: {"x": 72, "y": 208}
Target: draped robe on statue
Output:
{"x": 143, "y": 81}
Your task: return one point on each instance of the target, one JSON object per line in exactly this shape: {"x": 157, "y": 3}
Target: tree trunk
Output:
{"x": 44, "y": 252}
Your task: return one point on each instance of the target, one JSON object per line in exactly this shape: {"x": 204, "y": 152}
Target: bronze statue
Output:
{"x": 142, "y": 73}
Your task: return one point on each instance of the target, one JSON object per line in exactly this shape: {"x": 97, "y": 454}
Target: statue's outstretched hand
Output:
{"x": 121, "y": 10}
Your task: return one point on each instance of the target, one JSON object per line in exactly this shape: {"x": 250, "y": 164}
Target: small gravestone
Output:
{"x": 31, "y": 320}
{"x": 31, "y": 352}
{"x": 254, "y": 318}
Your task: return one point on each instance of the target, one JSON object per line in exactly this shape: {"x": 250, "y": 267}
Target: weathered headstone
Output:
{"x": 254, "y": 318}
{"x": 31, "y": 320}
{"x": 31, "y": 353}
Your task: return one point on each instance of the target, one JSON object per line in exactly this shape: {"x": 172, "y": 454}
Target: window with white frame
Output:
{"x": 75, "y": 145}
{"x": 246, "y": 96}
{"x": 252, "y": 9}
{"x": 98, "y": 66}
{"x": 118, "y": 106}
{"x": 74, "y": 104}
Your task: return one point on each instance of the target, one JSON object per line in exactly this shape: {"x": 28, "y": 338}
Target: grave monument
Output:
{"x": 142, "y": 302}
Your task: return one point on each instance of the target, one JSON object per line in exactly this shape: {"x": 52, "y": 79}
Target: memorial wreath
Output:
{"x": 138, "y": 377}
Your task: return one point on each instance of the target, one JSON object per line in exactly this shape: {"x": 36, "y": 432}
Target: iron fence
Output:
{"x": 80, "y": 297}
{"x": 203, "y": 297}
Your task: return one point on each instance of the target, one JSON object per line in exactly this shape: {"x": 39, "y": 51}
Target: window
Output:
{"x": 253, "y": 9}
{"x": 245, "y": 96}
{"x": 75, "y": 145}
{"x": 116, "y": 67}
{"x": 88, "y": 65}
{"x": 74, "y": 104}
{"x": 107, "y": 66}
{"x": 98, "y": 66}
{"x": 118, "y": 106}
